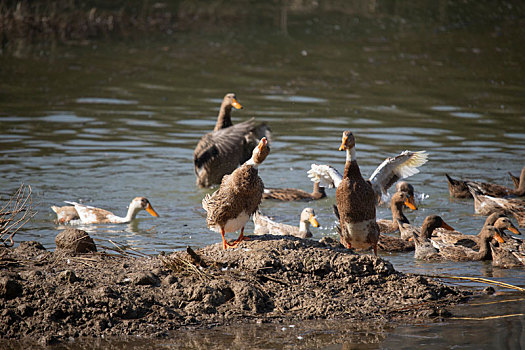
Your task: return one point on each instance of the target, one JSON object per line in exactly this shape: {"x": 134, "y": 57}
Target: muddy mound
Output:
{"x": 50, "y": 297}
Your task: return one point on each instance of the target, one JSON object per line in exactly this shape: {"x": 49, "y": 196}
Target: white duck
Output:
{"x": 92, "y": 215}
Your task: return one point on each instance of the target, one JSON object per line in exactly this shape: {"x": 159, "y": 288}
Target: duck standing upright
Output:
{"x": 356, "y": 202}
{"x": 238, "y": 197}
{"x": 225, "y": 148}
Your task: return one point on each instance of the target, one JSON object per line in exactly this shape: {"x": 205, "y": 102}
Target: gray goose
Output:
{"x": 265, "y": 225}
{"x": 225, "y": 148}
{"x": 294, "y": 194}
{"x": 238, "y": 197}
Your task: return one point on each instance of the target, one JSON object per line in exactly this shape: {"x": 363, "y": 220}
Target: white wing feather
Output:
{"x": 326, "y": 175}
{"x": 399, "y": 167}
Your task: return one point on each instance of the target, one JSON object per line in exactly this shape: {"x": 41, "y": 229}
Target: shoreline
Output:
{"x": 54, "y": 297}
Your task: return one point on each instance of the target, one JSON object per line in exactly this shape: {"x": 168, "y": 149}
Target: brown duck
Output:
{"x": 398, "y": 200}
{"x": 238, "y": 197}
{"x": 294, "y": 194}
{"x": 430, "y": 250}
{"x": 66, "y": 213}
{"x": 485, "y": 205}
{"x": 460, "y": 188}
{"x": 457, "y": 238}
{"x": 516, "y": 179}
{"x": 225, "y": 148}
{"x": 356, "y": 202}
{"x": 511, "y": 252}
{"x": 265, "y": 225}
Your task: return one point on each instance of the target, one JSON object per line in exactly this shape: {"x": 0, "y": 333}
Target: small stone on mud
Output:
{"x": 68, "y": 276}
{"x": 76, "y": 241}
{"x": 145, "y": 279}
{"x": 9, "y": 287}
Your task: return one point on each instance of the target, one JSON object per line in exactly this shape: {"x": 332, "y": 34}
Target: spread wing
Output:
{"x": 221, "y": 143}
{"x": 326, "y": 175}
{"x": 399, "y": 167}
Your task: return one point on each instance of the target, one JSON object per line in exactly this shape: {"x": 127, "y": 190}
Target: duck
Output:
{"x": 265, "y": 225}
{"x": 426, "y": 249}
{"x": 386, "y": 243}
{"x": 65, "y": 213}
{"x": 228, "y": 146}
{"x": 229, "y": 208}
{"x": 294, "y": 194}
{"x": 485, "y": 205}
{"x": 93, "y": 215}
{"x": 396, "y": 206}
{"x": 515, "y": 179}
{"x": 460, "y": 188}
{"x": 468, "y": 240}
{"x": 510, "y": 253}
{"x": 386, "y": 174}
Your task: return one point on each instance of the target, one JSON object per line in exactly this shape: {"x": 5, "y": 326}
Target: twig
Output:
{"x": 480, "y": 280}
{"x": 486, "y": 317}
{"x": 16, "y": 213}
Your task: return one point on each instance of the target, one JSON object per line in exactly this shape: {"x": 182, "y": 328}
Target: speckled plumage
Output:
{"x": 238, "y": 197}
{"x": 356, "y": 203}
{"x": 294, "y": 194}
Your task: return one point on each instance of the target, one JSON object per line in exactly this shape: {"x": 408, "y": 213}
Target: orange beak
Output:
{"x": 514, "y": 230}
{"x": 446, "y": 226}
{"x": 262, "y": 143}
{"x": 152, "y": 211}
{"x": 313, "y": 221}
{"x": 411, "y": 203}
{"x": 236, "y": 104}
{"x": 498, "y": 238}
{"x": 343, "y": 143}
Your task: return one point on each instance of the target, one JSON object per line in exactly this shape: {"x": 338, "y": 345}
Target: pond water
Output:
{"x": 101, "y": 122}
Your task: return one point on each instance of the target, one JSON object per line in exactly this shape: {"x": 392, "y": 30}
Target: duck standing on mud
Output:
{"x": 225, "y": 148}
{"x": 356, "y": 202}
{"x": 238, "y": 197}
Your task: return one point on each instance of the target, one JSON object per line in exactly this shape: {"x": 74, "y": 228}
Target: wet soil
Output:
{"x": 48, "y": 297}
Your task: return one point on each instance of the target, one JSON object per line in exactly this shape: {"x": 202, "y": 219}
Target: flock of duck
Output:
{"x": 229, "y": 156}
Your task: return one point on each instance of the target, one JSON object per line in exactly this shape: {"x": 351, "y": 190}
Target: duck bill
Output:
{"x": 343, "y": 143}
{"x": 262, "y": 143}
{"x": 498, "y": 238}
{"x": 152, "y": 211}
{"x": 236, "y": 104}
{"x": 411, "y": 203}
{"x": 514, "y": 230}
{"x": 447, "y": 226}
{"x": 313, "y": 221}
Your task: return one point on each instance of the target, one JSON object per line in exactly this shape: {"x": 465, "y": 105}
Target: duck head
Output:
{"x": 230, "y": 100}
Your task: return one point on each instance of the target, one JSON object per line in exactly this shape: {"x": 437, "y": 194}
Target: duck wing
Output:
{"x": 326, "y": 175}
{"x": 392, "y": 169}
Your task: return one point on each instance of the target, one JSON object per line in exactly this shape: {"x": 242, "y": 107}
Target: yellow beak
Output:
{"x": 313, "y": 221}
{"x": 236, "y": 104}
{"x": 498, "y": 238}
{"x": 343, "y": 143}
{"x": 152, "y": 211}
{"x": 410, "y": 203}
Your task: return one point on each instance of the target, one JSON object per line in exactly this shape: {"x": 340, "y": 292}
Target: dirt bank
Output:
{"x": 53, "y": 296}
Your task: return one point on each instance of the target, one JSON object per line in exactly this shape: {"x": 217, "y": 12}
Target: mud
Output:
{"x": 48, "y": 297}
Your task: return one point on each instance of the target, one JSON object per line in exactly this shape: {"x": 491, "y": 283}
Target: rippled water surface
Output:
{"x": 106, "y": 121}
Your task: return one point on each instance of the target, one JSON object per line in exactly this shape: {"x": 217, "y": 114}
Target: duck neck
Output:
{"x": 397, "y": 213}
{"x": 351, "y": 166}
{"x": 304, "y": 228}
{"x": 132, "y": 213}
{"x": 318, "y": 191}
{"x": 484, "y": 250}
{"x": 520, "y": 191}
{"x": 224, "y": 119}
